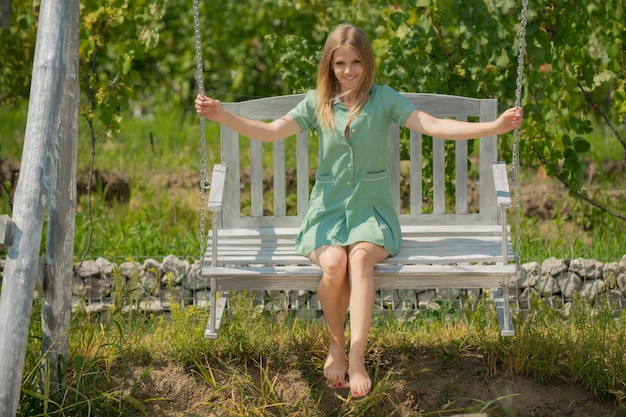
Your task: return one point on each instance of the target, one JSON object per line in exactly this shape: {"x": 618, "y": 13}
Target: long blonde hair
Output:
{"x": 328, "y": 85}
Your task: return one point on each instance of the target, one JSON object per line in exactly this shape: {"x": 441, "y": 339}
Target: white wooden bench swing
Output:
{"x": 458, "y": 250}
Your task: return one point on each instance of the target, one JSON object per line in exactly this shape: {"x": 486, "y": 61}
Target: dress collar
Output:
{"x": 337, "y": 99}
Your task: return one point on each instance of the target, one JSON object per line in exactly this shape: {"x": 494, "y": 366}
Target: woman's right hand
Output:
{"x": 210, "y": 109}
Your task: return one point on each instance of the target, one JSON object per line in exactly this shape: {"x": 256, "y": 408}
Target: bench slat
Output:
{"x": 386, "y": 277}
{"x": 256, "y": 178}
{"x": 416, "y": 167}
{"x": 423, "y": 230}
{"x": 460, "y": 161}
{"x": 415, "y": 250}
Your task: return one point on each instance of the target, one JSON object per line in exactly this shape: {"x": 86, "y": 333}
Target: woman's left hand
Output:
{"x": 510, "y": 119}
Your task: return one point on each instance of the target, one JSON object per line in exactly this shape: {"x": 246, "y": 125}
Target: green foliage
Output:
{"x": 122, "y": 231}
{"x": 113, "y": 37}
{"x": 17, "y": 47}
{"x": 577, "y": 75}
{"x": 577, "y": 230}
{"x": 440, "y": 47}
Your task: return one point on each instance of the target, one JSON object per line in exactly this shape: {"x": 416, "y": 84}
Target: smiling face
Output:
{"x": 346, "y": 70}
{"x": 347, "y": 66}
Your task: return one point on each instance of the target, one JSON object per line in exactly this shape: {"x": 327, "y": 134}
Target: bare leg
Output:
{"x": 362, "y": 257}
{"x": 333, "y": 292}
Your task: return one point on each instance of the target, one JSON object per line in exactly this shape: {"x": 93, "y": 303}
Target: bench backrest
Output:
{"x": 247, "y": 175}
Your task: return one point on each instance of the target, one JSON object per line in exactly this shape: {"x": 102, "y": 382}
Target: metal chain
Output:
{"x": 204, "y": 181}
{"x": 515, "y": 168}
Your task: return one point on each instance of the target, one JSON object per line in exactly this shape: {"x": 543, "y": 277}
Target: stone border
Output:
{"x": 99, "y": 284}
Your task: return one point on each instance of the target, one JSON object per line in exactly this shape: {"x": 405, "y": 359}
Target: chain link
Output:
{"x": 204, "y": 181}
{"x": 515, "y": 168}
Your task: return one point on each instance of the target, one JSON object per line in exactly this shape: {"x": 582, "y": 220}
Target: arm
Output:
{"x": 255, "y": 129}
{"x": 457, "y": 130}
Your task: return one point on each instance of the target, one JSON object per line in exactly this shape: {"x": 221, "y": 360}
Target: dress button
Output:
{"x": 349, "y": 183}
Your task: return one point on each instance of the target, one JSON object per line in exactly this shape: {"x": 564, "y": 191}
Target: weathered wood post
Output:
{"x": 42, "y": 131}
{"x": 56, "y": 310}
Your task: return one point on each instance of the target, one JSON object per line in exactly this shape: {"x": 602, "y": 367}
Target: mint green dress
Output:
{"x": 351, "y": 199}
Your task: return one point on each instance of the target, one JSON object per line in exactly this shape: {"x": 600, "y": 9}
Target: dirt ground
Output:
{"x": 422, "y": 386}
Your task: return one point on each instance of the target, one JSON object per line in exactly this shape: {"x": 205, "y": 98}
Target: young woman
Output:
{"x": 351, "y": 224}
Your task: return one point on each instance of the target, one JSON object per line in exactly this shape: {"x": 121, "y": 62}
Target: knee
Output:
{"x": 335, "y": 266}
{"x": 360, "y": 259}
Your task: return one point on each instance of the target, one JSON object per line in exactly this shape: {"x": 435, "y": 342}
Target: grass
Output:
{"x": 246, "y": 370}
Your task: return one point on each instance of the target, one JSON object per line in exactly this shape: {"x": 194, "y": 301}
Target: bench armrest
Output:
{"x": 216, "y": 194}
{"x": 501, "y": 181}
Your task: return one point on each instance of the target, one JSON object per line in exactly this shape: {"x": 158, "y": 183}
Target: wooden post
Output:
{"x": 56, "y": 310}
{"x": 42, "y": 125}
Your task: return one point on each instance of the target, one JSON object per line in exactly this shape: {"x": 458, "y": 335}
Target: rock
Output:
{"x": 150, "y": 282}
{"x": 106, "y": 267}
{"x": 129, "y": 269}
{"x": 591, "y": 289}
{"x": 527, "y": 277}
{"x": 203, "y": 299}
{"x": 547, "y": 285}
{"x": 587, "y": 268}
{"x": 176, "y": 269}
{"x": 96, "y": 289}
{"x": 621, "y": 282}
{"x": 553, "y": 266}
{"x": 615, "y": 296}
{"x": 447, "y": 294}
{"x": 532, "y": 268}
{"x": 525, "y": 297}
{"x": 570, "y": 283}
{"x": 428, "y": 305}
{"x": 387, "y": 299}
{"x": 610, "y": 270}
{"x": 194, "y": 280}
{"x": 153, "y": 266}
{"x": 427, "y": 295}
{"x": 88, "y": 269}
{"x": 78, "y": 286}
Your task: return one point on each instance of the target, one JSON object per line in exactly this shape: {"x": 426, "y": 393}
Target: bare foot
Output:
{"x": 360, "y": 382}
{"x": 335, "y": 366}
